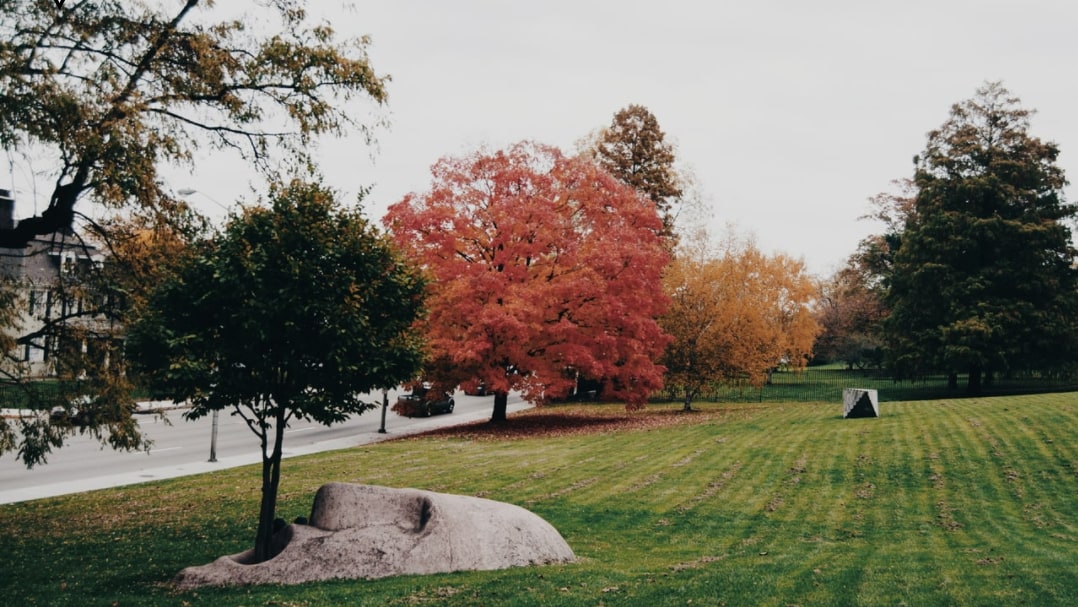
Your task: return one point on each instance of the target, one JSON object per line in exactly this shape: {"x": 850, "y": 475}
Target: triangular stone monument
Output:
{"x": 860, "y": 402}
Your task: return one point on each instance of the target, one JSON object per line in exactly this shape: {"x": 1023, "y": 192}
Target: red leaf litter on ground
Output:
{"x": 571, "y": 421}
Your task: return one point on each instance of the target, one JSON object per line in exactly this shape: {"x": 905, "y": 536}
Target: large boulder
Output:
{"x": 363, "y": 531}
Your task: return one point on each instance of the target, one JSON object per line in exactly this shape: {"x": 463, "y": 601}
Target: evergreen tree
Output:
{"x": 985, "y": 279}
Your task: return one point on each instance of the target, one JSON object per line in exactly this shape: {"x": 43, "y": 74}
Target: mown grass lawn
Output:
{"x": 956, "y": 502}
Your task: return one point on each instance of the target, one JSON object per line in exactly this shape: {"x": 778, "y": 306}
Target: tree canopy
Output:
{"x": 634, "y": 149}
{"x": 850, "y": 311}
{"x": 984, "y": 279}
{"x": 109, "y": 90}
{"x": 544, "y": 268}
{"x": 734, "y": 317}
{"x": 293, "y": 312}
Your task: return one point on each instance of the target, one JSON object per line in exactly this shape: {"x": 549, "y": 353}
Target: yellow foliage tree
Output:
{"x": 735, "y": 316}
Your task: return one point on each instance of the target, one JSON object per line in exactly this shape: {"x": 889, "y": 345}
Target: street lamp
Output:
{"x": 188, "y": 192}
{"x": 385, "y": 405}
{"x": 213, "y": 438}
{"x": 213, "y": 431}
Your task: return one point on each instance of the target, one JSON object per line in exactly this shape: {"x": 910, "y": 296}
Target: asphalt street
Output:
{"x": 182, "y": 447}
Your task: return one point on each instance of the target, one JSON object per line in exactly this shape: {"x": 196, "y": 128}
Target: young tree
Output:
{"x": 293, "y": 312}
{"x": 544, "y": 268}
{"x": 984, "y": 280}
{"x": 734, "y": 318}
{"x": 634, "y": 149}
{"x": 108, "y": 92}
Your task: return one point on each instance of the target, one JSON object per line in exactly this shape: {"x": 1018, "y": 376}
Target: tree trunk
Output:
{"x": 974, "y": 385}
{"x": 952, "y": 381}
{"x": 57, "y": 217}
{"x": 271, "y": 480}
{"x": 501, "y": 404}
{"x": 688, "y": 400}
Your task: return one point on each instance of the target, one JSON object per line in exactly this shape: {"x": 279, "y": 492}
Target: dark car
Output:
{"x": 73, "y": 415}
{"x": 422, "y": 403}
{"x": 477, "y": 389}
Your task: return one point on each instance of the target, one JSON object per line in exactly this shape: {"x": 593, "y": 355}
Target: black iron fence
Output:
{"x": 825, "y": 384}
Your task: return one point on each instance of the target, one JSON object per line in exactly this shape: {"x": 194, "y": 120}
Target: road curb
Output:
{"x": 143, "y": 408}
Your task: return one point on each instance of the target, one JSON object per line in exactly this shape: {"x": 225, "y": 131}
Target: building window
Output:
{"x": 38, "y": 302}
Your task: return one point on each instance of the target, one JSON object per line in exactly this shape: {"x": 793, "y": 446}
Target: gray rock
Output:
{"x": 363, "y": 531}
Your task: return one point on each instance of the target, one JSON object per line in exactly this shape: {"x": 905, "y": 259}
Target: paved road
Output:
{"x": 182, "y": 447}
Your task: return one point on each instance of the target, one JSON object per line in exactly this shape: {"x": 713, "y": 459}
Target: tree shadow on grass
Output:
{"x": 547, "y": 423}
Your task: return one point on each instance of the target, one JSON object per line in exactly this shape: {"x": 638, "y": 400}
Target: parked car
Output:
{"x": 74, "y": 415}
{"x": 422, "y": 403}
{"x": 477, "y": 389}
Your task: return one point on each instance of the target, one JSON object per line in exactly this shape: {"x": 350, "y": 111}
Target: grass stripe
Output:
{"x": 946, "y": 502}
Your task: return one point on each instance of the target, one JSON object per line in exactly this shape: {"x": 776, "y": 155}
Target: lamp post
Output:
{"x": 213, "y": 438}
{"x": 213, "y": 431}
{"x": 385, "y": 405}
{"x": 188, "y": 192}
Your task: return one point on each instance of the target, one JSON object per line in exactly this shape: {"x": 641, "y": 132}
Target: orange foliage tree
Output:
{"x": 734, "y": 318}
{"x": 545, "y": 268}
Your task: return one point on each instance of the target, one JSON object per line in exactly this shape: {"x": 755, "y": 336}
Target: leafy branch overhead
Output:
{"x": 111, "y": 89}
{"x": 105, "y": 95}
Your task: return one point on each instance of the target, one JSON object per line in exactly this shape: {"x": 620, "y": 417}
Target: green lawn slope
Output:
{"x": 952, "y": 502}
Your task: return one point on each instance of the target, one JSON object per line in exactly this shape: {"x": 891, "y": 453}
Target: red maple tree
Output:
{"x": 545, "y": 269}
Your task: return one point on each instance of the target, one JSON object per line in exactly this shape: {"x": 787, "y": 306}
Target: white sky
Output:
{"x": 791, "y": 113}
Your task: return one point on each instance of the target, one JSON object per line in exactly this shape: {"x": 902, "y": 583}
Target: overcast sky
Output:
{"x": 790, "y": 113}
